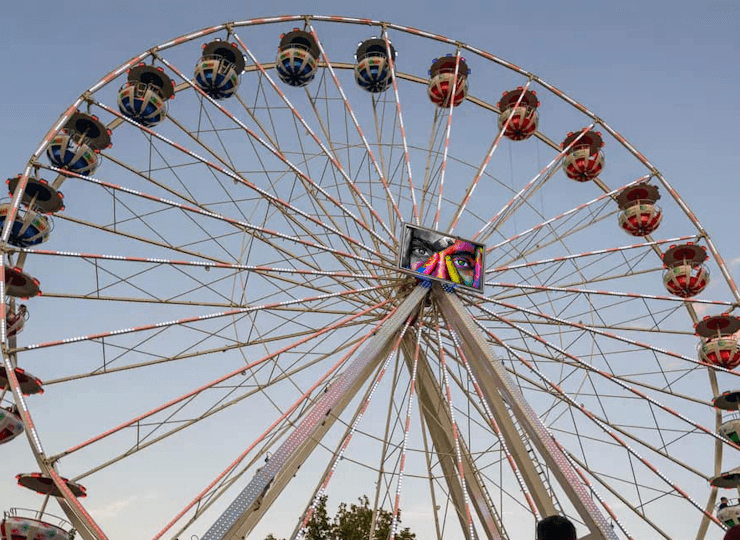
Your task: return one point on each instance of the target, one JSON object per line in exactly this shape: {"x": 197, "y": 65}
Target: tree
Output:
{"x": 351, "y": 522}
{"x": 319, "y": 527}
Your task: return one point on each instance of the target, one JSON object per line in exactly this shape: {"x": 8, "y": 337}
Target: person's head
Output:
{"x": 723, "y": 500}
{"x": 556, "y": 528}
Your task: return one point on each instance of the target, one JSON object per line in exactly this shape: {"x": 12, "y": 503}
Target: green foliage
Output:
{"x": 351, "y": 522}
{"x": 319, "y": 527}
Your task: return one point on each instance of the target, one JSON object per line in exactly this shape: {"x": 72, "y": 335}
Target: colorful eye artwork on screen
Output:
{"x": 444, "y": 258}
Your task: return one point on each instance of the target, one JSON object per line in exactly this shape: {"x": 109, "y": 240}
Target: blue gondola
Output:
{"x": 144, "y": 96}
{"x": 297, "y": 56}
{"x": 76, "y": 146}
{"x": 373, "y": 69}
{"x": 218, "y": 70}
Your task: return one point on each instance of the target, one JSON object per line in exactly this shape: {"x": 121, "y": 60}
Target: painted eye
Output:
{"x": 463, "y": 262}
{"x": 421, "y": 252}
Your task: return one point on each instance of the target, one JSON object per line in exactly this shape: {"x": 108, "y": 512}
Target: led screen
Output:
{"x": 441, "y": 257}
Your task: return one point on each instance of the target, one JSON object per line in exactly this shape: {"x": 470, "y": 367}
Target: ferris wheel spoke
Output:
{"x": 482, "y": 168}
{"x": 248, "y": 109}
{"x": 527, "y": 191}
{"x": 334, "y": 157}
{"x": 114, "y": 227}
{"x": 402, "y": 128}
{"x": 349, "y": 147}
{"x": 646, "y": 493}
{"x": 336, "y": 184}
{"x": 611, "y": 277}
{"x": 610, "y": 376}
{"x": 560, "y": 272}
{"x": 146, "y": 433}
{"x": 279, "y": 155}
{"x": 624, "y": 500}
{"x": 576, "y": 334}
{"x": 240, "y": 179}
{"x": 153, "y": 264}
{"x": 213, "y": 260}
{"x": 583, "y": 329}
{"x": 301, "y": 400}
{"x": 147, "y": 175}
{"x": 370, "y": 154}
{"x": 96, "y": 296}
{"x": 244, "y": 225}
{"x": 448, "y": 131}
{"x": 431, "y": 153}
{"x": 219, "y": 380}
{"x": 604, "y": 424}
{"x": 265, "y": 170}
{"x": 552, "y": 330}
{"x": 380, "y": 105}
{"x": 556, "y": 330}
{"x": 626, "y": 379}
{"x": 267, "y": 270}
{"x": 578, "y": 291}
{"x": 275, "y": 331}
{"x": 144, "y": 240}
{"x": 532, "y": 245}
{"x": 187, "y": 320}
{"x": 609, "y": 428}
{"x": 222, "y": 153}
{"x": 605, "y": 275}
{"x": 607, "y": 251}
{"x": 292, "y": 222}
{"x": 606, "y": 203}
{"x": 193, "y": 354}
{"x": 318, "y": 205}
{"x": 199, "y": 285}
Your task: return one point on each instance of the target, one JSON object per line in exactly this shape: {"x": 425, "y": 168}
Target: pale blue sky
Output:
{"x": 663, "y": 74}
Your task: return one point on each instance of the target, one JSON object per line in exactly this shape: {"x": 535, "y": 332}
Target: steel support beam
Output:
{"x": 244, "y": 512}
{"x": 537, "y": 489}
{"x": 436, "y": 415}
{"x": 496, "y": 386}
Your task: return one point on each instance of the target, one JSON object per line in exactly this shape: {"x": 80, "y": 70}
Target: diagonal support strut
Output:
{"x": 439, "y": 423}
{"x": 268, "y": 482}
{"x": 497, "y": 385}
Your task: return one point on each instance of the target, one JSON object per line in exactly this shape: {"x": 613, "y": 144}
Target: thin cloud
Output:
{"x": 112, "y": 509}
{"x": 701, "y": 309}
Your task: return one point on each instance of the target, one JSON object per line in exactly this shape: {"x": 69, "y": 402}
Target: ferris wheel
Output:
{"x": 308, "y": 256}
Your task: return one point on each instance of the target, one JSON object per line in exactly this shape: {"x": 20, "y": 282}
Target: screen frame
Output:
{"x": 408, "y": 229}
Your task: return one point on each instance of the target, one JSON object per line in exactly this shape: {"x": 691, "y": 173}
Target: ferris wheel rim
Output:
{"x": 210, "y": 30}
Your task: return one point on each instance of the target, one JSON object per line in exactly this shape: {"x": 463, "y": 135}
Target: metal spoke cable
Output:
{"x": 348, "y": 438}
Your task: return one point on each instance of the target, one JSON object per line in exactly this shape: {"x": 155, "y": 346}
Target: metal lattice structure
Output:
{"x": 225, "y": 336}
